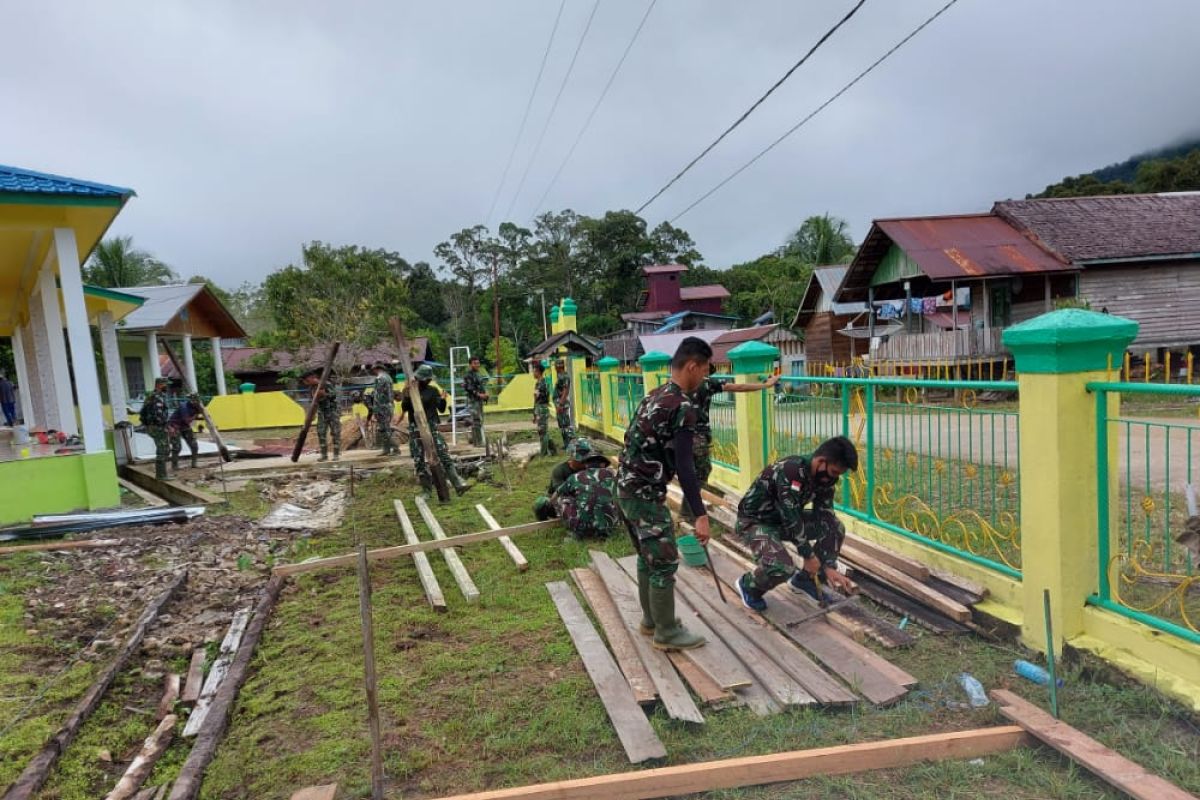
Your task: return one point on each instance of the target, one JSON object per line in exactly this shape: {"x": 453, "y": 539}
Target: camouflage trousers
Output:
{"x": 773, "y": 562}
{"x": 653, "y": 535}
{"x": 383, "y": 432}
{"x": 416, "y": 448}
{"x": 566, "y": 425}
{"x": 702, "y": 450}
{"x": 584, "y": 522}
{"x": 162, "y": 447}
{"x": 331, "y": 430}
{"x": 541, "y": 416}
{"x": 476, "y": 408}
{"x": 176, "y": 437}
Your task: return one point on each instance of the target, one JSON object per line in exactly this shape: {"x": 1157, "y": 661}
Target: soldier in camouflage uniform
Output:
{"x": 702, "y": 398}
{"x": 658, "y": 444}
{"x": 580, "y": 455}
{"x": 433, "y": 400}
{"x": 585, "y": 501}
{"x": 562, "y": 402}
{"x": 383, "y": 408}
{"x": 541, "y": 409}
{"x": 475, "y": 388}
{"x": 329, "y": 418}
{"x": 154, "y": 415}
{"x": 773, "y": 511}
{"x": 179, "y": 430}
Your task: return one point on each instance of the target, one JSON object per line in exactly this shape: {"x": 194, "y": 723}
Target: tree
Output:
{"x": 820, "y": 240}
{"x": 465, "y": 257}
{"x": 343, "y": 294}
{"x": 116, "y": 263}
{"x": 671, "y": 245}
{"x": 427, "y": 294}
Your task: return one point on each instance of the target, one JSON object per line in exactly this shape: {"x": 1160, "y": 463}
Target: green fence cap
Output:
{"x": 753, "y": 357}
{"x": 568, "y": 306}
{"x": 607, "y": 363}
{"x": 1069, "y": 340}
{"x": 654, "y": 361}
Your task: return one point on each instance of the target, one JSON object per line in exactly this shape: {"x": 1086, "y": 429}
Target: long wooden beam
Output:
{"x": 80, "y": 544}
{"x": 757, "y": 770}
{"x": 457, "y": 568}
{"x": 1108, "y": 765}
{"x": 421, "y": 547}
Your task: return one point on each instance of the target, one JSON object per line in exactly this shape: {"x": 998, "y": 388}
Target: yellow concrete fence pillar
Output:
{"x": 752, "y": 363}
{"x": 567, "y": 315}
{"x": 1057, "y": 354}
{"x": 656, "y": 366}
{"x": 608, "y": 372}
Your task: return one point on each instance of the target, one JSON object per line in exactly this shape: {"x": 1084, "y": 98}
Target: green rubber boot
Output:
{"x": 646, "y": 626}
{"x": 457, "y": 482}
{"x": 669, "y": 633}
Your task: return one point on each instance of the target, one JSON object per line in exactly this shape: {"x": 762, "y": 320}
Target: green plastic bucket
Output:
{"x": 692, "y": 551}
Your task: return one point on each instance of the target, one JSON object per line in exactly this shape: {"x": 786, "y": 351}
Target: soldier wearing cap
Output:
{"x": 433, "y": 401}
{"x": 154, "y": 415}
{"x": 179, "y": 430}
{"x": 475, "y": 388}
{"x": 562, "y": 402}
{"x": 383, "y": 409}
{"x": 541, "y": 408}
{"x": 329, "y": 419}
{"x": 580, "y": 455}
{"x": 585, "y": 501}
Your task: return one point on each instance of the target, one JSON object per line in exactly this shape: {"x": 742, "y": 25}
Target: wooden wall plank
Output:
{"x": 617, "y": 635}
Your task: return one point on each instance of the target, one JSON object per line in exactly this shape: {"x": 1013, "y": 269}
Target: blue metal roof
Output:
{"x": 25, "y": 181}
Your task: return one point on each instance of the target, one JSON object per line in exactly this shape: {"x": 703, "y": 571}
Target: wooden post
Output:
{"x": 418, "y": 410}
{"x": 312, "y": 406}
{"x": 368, "y": 636}
{"x": 213, "y": 433}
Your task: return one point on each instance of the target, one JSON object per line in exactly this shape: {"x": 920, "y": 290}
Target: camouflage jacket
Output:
{"x": 648, "y": 460}
{"x": 431, "y": 400}
{"x": 154, "y": 411}
{"x": 562, "y": 391}
{"x": 541, "y": 393}
{"x": 586, "y": 499}
{"x": 563, "y": 471}
{"x": 474, "y": 384}
{"x": 778, "y": 497}
{"x": 326, "y": 400}
{"x": 702, "y": 397}
{"x": 382, "y": 400}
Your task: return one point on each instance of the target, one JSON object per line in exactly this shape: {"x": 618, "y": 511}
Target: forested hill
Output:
{"x": 1168, "y": 169}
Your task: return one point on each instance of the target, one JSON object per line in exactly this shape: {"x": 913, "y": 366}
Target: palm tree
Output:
{"x": 116, "y": 263}
{"x": 821, "y": 240}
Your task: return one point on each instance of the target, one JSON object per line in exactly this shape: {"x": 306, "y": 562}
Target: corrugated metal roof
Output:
{"x": 947, "y": 248}
{"x": 712, "y": 291}
{"x": 660, "y": 269}
{"x": 27, "y": 181}
{"x": 669, "y": 342}
{"x": 162, "y": 304}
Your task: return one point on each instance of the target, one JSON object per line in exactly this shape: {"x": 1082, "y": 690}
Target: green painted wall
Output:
{"x": 57, "y": 485}
{"x": 895, "y": 266}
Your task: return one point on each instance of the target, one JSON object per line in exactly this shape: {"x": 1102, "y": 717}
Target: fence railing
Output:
{"x": 628, "y": 389}
{"x": 935, "y": 464}
{"x": 590, "y": 395}
{"x": 722, "y": 419}
{"x": 1149, "y": 556}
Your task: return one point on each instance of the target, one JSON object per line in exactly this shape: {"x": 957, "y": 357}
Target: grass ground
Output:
{"x": 493, "y": 694}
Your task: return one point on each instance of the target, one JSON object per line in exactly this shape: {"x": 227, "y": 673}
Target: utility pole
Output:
{"x": 496, "y": 308}
{"x": 545, "y": 330}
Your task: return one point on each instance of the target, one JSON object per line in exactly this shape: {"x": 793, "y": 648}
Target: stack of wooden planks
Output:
{"x": 751, "y": 660}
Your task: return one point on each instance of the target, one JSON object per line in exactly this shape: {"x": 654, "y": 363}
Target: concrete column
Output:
{"x": 114, "y": 375}
{"x": 35, "y": 414}
{"x": 152, "y": 355}
{"x": 59, "y": 372}
{"x": 23, "y": 393}
{"x": 87, "y": 382}
{"x": 655, "y": 369}
{"x": 1056, "y": 355}
{"x": 218, "y": 364}
{"x": 752, "y": 363}
{"x": 608, "y": 371}
{"x": 189, "y": 363}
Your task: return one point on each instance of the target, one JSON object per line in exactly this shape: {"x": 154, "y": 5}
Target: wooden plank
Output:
{"x": 139, "y": 769}
{"x": 326, "y": 792}
{"x": 191, "y": 774}
{"x": 195, "y": 677}
{"x": 1110, "y": 766}
{"x": 367, "y": 622}
{"x": 170, "y": 694}
{"x": 149, "y": 498}
{"x": 857, "y": 666}
{"x": 715, "y": 658}
{"x": 174, "y": 491}
{"x": 383, "y": 553}
{"x": 617, "y": 635}
{"x": 30, "y": 781}
{"x": 923, "y": 615}
{"x": 429, "y": 582}
{"x": 702, "y": 685}
{"x": 671, "y": 691}
{"x": 971, "y": 587}
{"x": 906, "y": 584}
{"x": 908, "y": 566}
{"x": 311, "y": 411}
{"x": 509, "y": 547}
{"x": 216, "y": 674}
{"x": 732, "y": 773}
{"x": 418, "y": 410}
{"x": 953, "y": 591}
{"x": 461, "y": 576}
{"x": 82, "y": 544}
{"x": 640, "y": 741}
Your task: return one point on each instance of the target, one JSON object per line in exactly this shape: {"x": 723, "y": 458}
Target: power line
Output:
{"x": 525, "y": 117}
{"x": 752, "y": 108}
{"x": 554, "y": 107}
{"x": 816, "y": 111}
{"x": 595, "y": 108}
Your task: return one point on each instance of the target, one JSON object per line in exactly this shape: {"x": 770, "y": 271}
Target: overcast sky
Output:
{"x": 247, "y": 128}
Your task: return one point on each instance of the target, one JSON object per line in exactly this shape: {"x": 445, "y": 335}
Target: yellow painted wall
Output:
{"x": 237, "y": 412}
{"x": 57, "y": 485}
{"x": 1159, "y": 660}
{"x": 516, "y": 396}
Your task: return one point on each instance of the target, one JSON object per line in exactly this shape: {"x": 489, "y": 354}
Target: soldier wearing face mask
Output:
{"x": 774, "y": 510}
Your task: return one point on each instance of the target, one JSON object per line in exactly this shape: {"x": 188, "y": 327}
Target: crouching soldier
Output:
{"x": 179, "y": 430}
{"x": 581, "y": 492}
{"x": 773, "y": 511}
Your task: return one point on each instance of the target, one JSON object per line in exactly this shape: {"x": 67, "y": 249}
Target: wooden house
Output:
{"x": 823, "y": 321}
